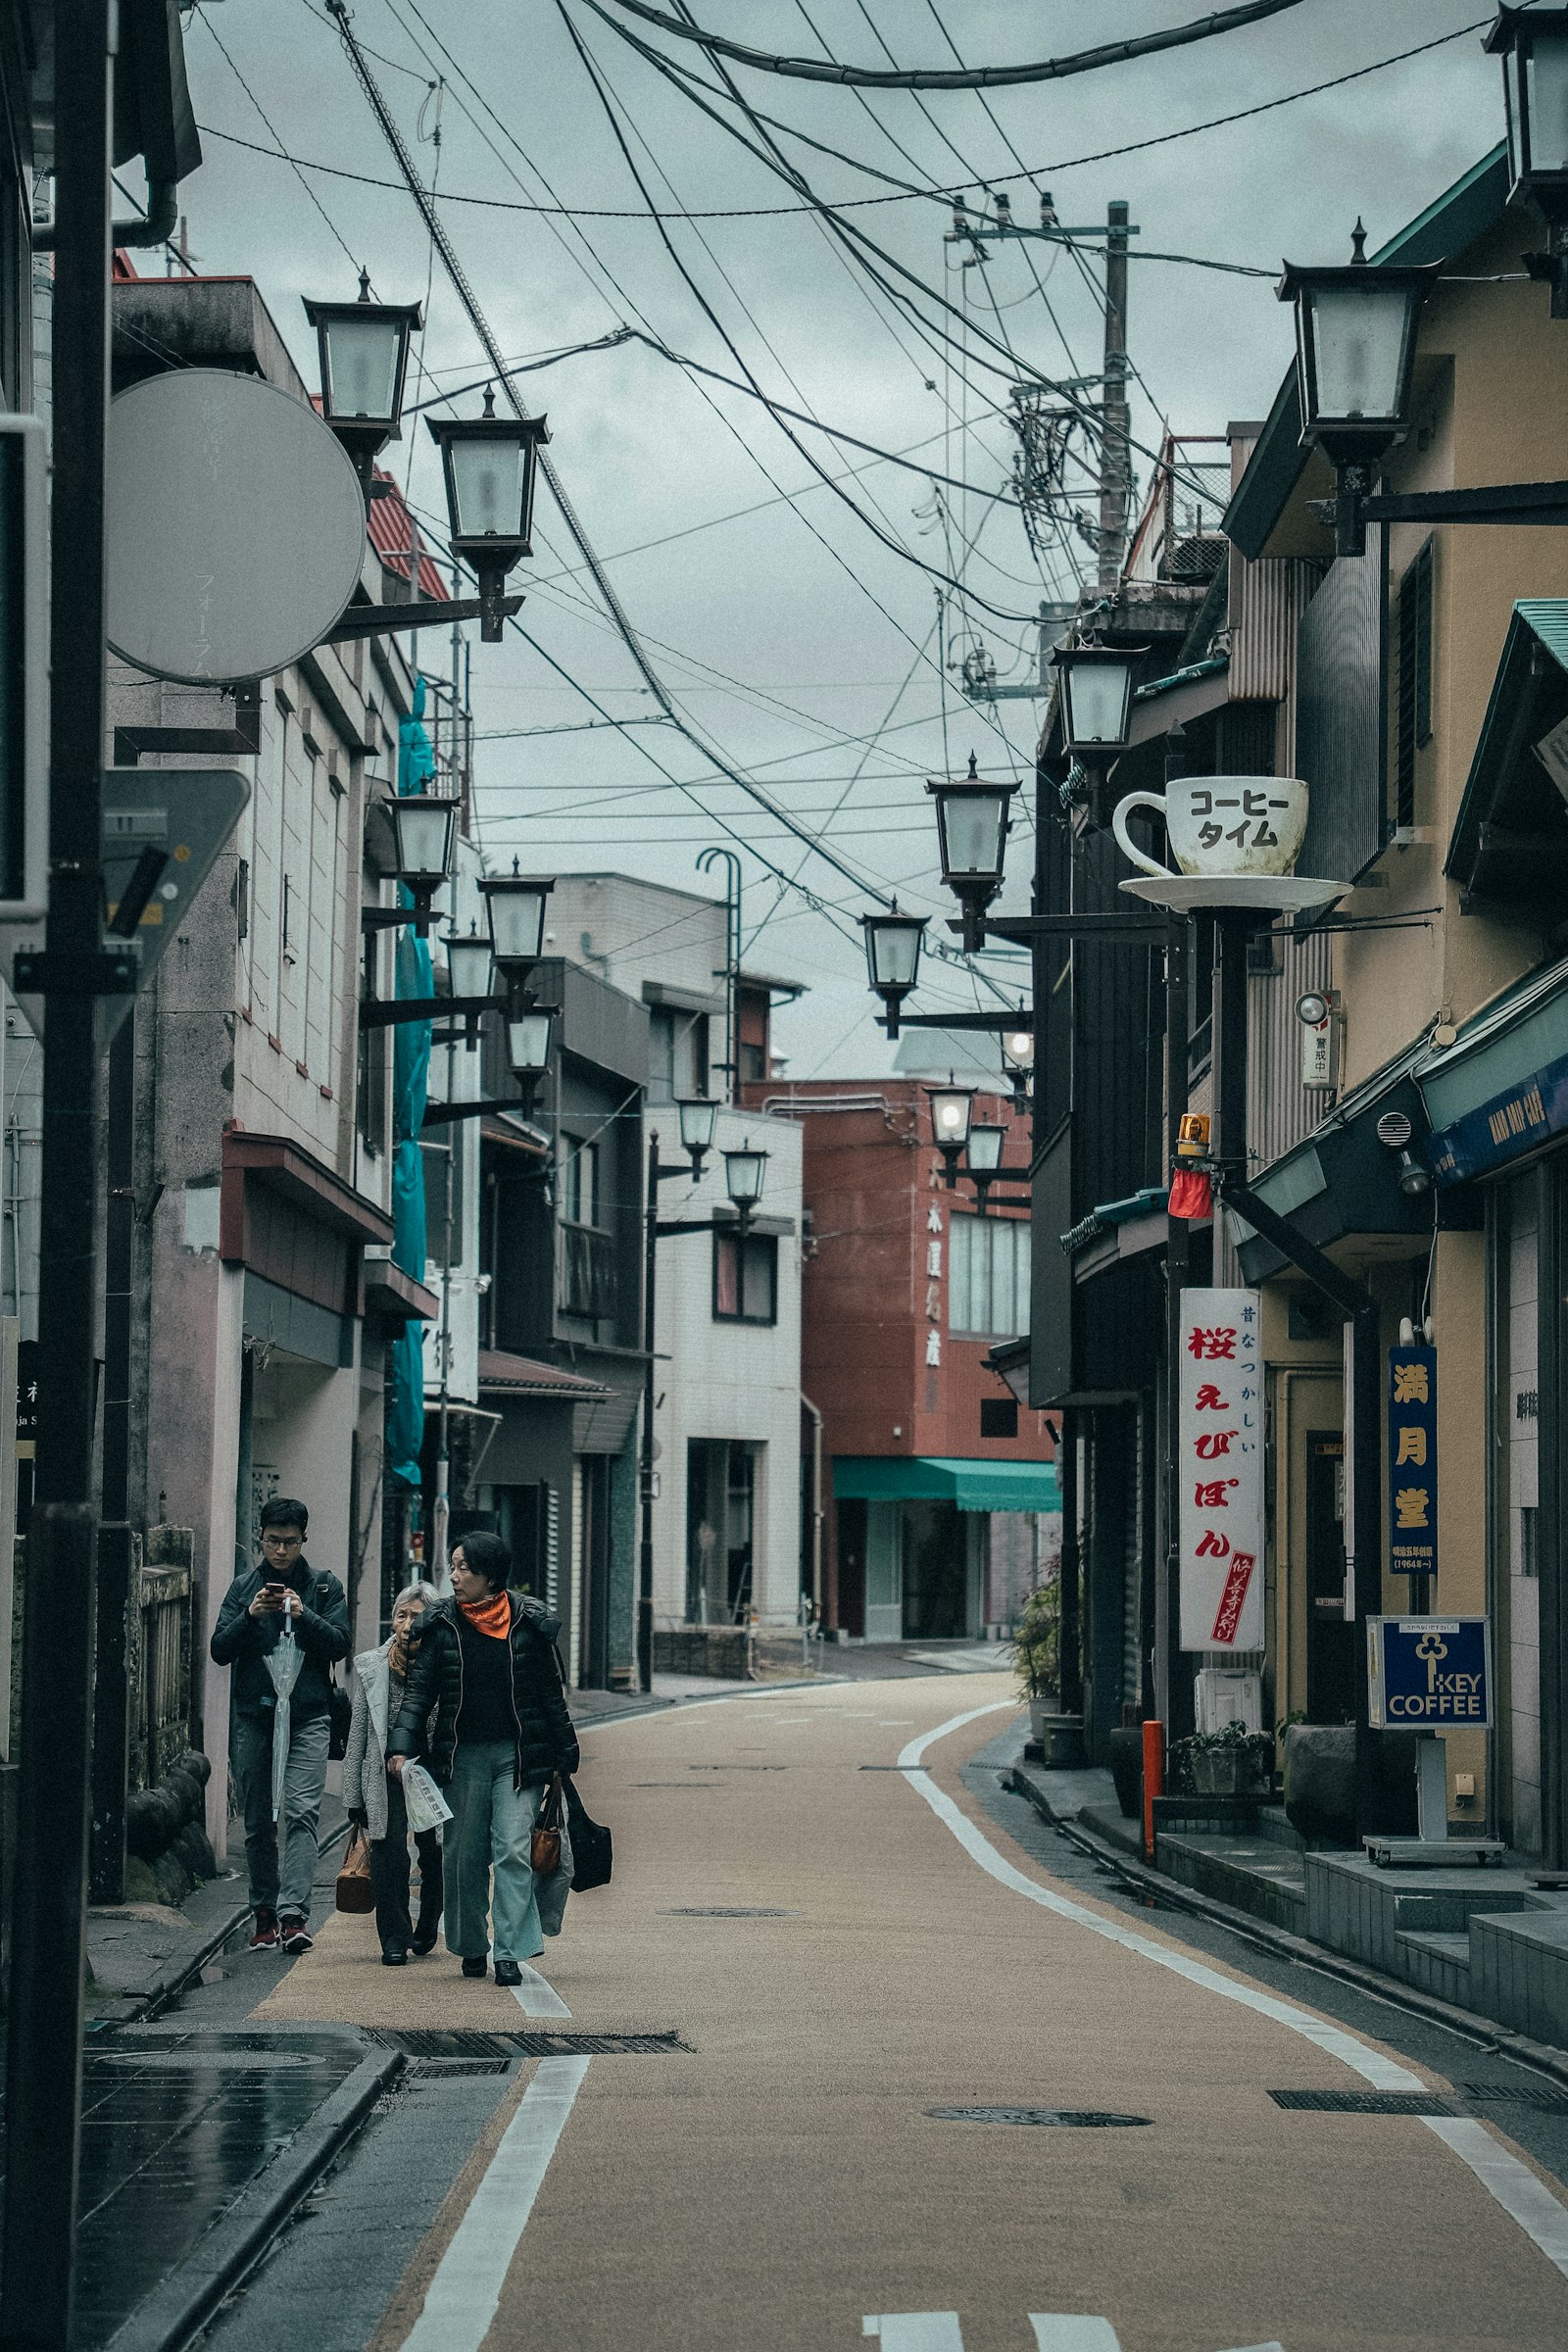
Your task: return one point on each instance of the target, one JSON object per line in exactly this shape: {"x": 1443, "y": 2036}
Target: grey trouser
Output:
{"x": 251, "y": 1753}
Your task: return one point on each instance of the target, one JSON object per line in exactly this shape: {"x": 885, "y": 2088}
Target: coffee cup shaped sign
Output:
{"x": 1222, "y": 824}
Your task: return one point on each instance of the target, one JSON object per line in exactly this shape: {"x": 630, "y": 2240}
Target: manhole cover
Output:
{"x": 1368, "y": 2103}
{"x": 724, "y": 1911}
{"x": 1072, "y": 2119}
{"x": 431, "y": 2043}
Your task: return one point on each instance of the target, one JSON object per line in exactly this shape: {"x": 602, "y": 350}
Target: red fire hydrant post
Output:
{"x": 1154, "y": 1779}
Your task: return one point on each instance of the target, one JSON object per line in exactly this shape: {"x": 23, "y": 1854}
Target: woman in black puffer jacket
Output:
{"x": 487, "y": 1671}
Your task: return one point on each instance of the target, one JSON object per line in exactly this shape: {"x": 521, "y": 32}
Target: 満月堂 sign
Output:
{"x": 1428, "y": 1674}
{"x": 1413, "y": 1461}
{"x": 1219, "y": 1469}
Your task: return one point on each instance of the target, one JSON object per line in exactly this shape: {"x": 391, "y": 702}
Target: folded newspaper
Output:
{"x": 427, "y": 1807}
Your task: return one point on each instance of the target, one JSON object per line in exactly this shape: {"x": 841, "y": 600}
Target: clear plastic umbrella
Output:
{"x": 283, "y": 1663}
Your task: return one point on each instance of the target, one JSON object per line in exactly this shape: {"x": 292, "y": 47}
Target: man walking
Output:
{"x": 284, "y": 1592}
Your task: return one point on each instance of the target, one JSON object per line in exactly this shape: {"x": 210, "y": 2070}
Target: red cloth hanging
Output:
{"x": 1191, "y": 1194}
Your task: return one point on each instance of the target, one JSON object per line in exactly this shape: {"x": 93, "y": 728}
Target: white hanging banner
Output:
{"x": 1219, "y": 1463}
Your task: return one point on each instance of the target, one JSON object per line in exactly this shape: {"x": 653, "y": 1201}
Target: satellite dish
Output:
{"x": 235, "y": 527}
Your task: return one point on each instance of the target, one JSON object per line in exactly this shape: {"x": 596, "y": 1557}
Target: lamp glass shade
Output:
{"x": 698, "y": 1120}
{"x": 1018, "y": 1050}
{"x": 1097, "y": 688}
{"x": 1544, "y": 146}
{"x": 952, "y": 1107}
{"x": 744, "y": 1170}
{"x": 515, "y": 907}
{"x": 528, "y": 1040}
{"x": 972, "y": 830}
{"x": 1360, "y": 334}
{"x": 984, "y": 1150}
{"x": 893, "y": 943}
{"x": 470, "y": 963}
{"x": 425, "y": 824}
{"x": 363, "y": 347}
{"x": 488, "y": 476}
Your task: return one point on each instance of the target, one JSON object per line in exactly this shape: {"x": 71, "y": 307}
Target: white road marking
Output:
{"x": 465, "y": 2295}
{"x": 1072, "y": 2332}
{"x": 915, "y": 2330}
{"x": 534, "y": 1997}
{"x": 1542, "y": 2216}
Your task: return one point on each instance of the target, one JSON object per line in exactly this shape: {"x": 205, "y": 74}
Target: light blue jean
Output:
{"x": 490, "y": 1829}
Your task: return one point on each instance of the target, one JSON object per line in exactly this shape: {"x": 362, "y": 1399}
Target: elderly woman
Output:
{"x": 373, "y": 1797}
{"x": 485, "y": 1707}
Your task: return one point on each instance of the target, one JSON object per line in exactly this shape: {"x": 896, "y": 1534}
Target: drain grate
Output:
{"x": 1368, "y": 2103}
{"x": 1524, "y": 2094}
{"x": 446, "y": 2070}
{"x": 433, "y": 2043}
{"x": 724, "y": 1911}
{"x": 1070, "y": 2119}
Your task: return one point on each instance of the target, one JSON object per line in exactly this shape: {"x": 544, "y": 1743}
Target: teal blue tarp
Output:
{"x": 974, "y": 1486}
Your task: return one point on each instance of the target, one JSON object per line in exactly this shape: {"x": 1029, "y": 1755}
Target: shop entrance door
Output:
{"x": 1332, "y": 1646}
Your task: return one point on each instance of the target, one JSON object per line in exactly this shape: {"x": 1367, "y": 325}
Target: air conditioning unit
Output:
{"x": 1228, "y": 1694}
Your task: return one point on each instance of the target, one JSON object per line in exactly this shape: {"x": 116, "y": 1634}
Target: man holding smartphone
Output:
{"x": 285, "y": 1590}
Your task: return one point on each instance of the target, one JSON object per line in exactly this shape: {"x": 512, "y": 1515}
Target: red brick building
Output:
{"x": 940, "y": 1506}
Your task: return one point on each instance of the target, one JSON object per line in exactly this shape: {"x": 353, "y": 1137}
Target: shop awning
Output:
{"x": 1501, "y": 1088}
{"x": 1509, "y": 849}
{"x": 974, "y": 1486}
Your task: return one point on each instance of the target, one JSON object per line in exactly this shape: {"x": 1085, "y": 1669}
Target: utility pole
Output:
{"x": 48, "y": 1920}
{"x": 1116, "y": 463}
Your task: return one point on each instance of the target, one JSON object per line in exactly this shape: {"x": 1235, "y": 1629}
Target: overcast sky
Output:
{"x": 799, "y": 647}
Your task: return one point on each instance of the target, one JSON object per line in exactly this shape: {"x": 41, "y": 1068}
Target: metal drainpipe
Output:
{"x": 816, "y": 1505}
{"x": 163, "y": 207}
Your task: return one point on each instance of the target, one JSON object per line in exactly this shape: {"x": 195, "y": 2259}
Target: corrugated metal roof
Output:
{"x": 391, "y": 528}
{"x": 1547, "y": 616}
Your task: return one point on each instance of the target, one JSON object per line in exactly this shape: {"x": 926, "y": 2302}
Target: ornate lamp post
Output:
{"x": 952, "y": 1110}
{"x": 1097, "y": 694}
{"x": 490, "y": 463}
{"x": 1533, "y": 43}
{"x": 745, "y": 1168}
{"x": 697, "y": 1119}
{"x": 972, "y": 825}
{"x": 363, "y": 352}
{"x": 893, "y": 943}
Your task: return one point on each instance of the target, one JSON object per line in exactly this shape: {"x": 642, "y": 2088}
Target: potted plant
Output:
{"x": 1233, "y": 1762}
{"x": 1036, "y": 1655}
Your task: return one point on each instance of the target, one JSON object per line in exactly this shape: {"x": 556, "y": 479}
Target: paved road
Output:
{"x": 785, "y": 2184}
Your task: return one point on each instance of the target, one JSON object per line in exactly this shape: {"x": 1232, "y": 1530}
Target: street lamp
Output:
{"x": 490, "y": 463}
{"x": 893, "y": 943}
{"x": 1018, "y": 1060}
{"x": 744, "y": 1170}
{"x": 530, "y": 1034}
{"x": 363, "y": 352}
{"x": 972, "y": 825}
{"x": 1097, "y": 693}
{"x": 1532, "y": 44}
{"x": 952, "y": 1110}
{"x": 471, "y": 969}
{"x": 422, "y": 825}
{"x": 697, "y": 1119}
{"x": 1354, "y": 354}
{"x": 983, "y": 1155}
{"x": 514, "y": 909}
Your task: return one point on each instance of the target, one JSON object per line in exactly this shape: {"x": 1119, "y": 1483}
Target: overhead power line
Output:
{"x": 971, "y": 78}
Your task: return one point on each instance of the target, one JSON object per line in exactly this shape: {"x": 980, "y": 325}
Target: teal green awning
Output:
{"x": 937, "y": 1478}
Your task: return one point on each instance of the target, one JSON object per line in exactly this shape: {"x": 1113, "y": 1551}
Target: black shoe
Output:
{"x": 393, "y": 1955}
{"x": 507, "y": 1973}
{"x": 423, "y": 1945}
{"x": 475, "y": 1968}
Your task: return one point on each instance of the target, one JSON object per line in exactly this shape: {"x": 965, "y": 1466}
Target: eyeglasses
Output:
{"x": 274, "y": 1543}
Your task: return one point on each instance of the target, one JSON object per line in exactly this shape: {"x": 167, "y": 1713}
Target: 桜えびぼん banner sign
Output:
{"x": 1413, "y": 1461}
{"x": 1219, "y": 1469}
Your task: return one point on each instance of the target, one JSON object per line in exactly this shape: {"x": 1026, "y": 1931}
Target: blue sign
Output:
{"x": 1413, "y": 1461}
{"x": 1428, "y": 1674}
{"x": 1515, "y": 1121}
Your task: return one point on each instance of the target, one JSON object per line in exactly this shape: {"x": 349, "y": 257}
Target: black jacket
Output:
{"x": 545, "y": 1742}
{"x": 322, "y": 1629}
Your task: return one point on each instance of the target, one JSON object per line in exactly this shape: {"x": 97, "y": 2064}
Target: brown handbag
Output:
{"x": 354, "y": 1891}
{"x": 544, "y": 1846}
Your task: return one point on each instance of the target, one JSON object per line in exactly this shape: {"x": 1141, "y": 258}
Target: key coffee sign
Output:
{"x": 1219, "y": 1463}
{"x": 1428, "y": 1674}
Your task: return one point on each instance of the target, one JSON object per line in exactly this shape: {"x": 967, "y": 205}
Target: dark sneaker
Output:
{"x": 292, "y": 1932}
{"x": 507, "y": 1973}
{"x": 264, "y": 1930}
{"x": 393, "y": 1955}
{"x": 474, "y": 1967}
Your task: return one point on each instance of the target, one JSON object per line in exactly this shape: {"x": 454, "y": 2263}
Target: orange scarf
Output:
{"x": 492, "y": 1616}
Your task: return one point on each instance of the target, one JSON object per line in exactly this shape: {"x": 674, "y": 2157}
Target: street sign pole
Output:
{"x": 48, "y": 1919}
